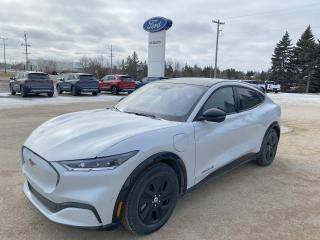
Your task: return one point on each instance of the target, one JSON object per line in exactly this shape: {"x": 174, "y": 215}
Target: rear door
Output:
{"x": 251, "y": 113}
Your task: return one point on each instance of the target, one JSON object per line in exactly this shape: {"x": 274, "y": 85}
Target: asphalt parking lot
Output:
{"x": 278, "y": 202}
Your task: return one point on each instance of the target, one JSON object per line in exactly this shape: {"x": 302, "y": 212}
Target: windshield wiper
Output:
{"x": 144, "y": 115}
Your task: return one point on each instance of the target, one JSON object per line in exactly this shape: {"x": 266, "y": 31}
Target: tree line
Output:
{"x": 138, "y": 69}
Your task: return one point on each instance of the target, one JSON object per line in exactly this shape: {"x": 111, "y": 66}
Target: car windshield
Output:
{"x": 38, "y": 76}
{"x": 86, "y": 77}
{"x": 169, "y": 101}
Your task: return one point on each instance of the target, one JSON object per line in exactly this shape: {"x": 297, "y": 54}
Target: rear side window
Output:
{"x": 38, "y": 76}
{"x": 87, "y": 77}
{"x": 222, "y": 99}
{"x": 249, "y": 98}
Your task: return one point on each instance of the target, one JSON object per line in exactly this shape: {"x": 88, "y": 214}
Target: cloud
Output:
{"x": 67, "y": 30}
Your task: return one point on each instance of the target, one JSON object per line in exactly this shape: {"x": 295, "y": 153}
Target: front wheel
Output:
{"x": 269, "y": 148}
{"x": 24, "y": 92}
{"x": 74, "y": 91}
{"x": 114, "y": 90}
{"x": 12, "y": 91}
{"x": 94, "y": 93}
{"x": 59, "y": 91}
{"x": 50, "y": 94}
{"x": 151, "y": 200}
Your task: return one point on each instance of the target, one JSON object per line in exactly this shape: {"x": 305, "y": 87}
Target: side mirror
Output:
{"x": 213, "y": 115}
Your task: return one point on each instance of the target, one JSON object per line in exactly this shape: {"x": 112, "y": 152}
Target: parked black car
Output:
{"x": 31, "y": 82}
{"x": 147, "y": 80}
{"x": 77, "y": 83}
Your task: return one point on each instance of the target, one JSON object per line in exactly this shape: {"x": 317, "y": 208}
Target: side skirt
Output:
{"x": 226, "y": 169}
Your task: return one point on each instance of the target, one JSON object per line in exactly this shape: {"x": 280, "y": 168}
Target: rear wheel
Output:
{"x": 94, "y": 93}
{"x": 74, "y": 91}
{"x": 269, "y": 148}
{"x": 50, "y": 94}
{"x": 12, "y": 91}
{"x": 151, "y": 200}
{"x": 114, "y": 90}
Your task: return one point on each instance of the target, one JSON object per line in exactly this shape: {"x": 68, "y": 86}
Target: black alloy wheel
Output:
{"x": 269, "y": 148}
{"x": 151, "y": 200}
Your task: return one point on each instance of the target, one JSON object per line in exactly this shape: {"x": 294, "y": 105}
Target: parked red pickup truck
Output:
{"x": 117, "y": 83}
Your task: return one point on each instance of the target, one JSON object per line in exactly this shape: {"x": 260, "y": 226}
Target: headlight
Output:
{"x": 101, "y": 163}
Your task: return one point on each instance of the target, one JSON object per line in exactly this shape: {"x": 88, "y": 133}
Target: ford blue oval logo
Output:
{"x": 157, "y": 24}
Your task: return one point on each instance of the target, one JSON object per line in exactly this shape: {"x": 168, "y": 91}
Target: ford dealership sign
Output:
{"x": 157, "y": 24}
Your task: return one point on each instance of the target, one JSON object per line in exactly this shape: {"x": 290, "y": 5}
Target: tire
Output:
{"x": 50, "y": 94}
{"x": 94, "y": 93}
{"x": 269, "y": 148}
{"x": 114, "y": 90}
{"x": 24, "y": 92}
{"x": 59, "y": 91}
{"x": 11, "y": 90}
{"x": 74, "y": 91}
{"x": 151, "y": 200}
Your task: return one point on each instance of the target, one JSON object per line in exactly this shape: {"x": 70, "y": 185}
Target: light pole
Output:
{"x": 4, "y": 52}
{"x": 218, "y": 22}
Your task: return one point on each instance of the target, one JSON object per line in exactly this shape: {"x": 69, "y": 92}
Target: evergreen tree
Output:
{"x": 315, "y": 84}
{"x": 282, "y": 65}
{"x": 305, "y": 59}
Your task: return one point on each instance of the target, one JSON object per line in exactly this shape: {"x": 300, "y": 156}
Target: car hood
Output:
{"x": 85, "y": 134}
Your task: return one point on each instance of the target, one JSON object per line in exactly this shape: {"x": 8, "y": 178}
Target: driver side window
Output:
{"x": 222, "y": 99}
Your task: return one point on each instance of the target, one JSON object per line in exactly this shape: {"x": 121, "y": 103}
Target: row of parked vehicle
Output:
{"x": 76, "y": 83}
{"x": 265, "y": 86}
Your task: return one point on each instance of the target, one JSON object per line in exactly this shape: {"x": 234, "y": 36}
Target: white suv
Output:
{"x": 128, "y": 164}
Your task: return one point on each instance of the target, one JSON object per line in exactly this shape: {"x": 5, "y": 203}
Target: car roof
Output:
{"x": 206, "y": 82}
{"x": 32, "y": 72}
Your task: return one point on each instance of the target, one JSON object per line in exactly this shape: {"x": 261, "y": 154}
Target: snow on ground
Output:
{"x": 8, "y": 101}
{"x": 296, "y": 98}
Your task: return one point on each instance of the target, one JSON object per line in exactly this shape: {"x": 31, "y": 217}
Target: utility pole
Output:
{"x": 218, "y": 22}
{"x": 25, "y": 44}
{"x": 4, "y": 52}
{"x": 111, "y": 57}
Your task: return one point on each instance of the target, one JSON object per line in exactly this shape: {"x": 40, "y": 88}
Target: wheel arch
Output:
{"x": 172, "y": 159}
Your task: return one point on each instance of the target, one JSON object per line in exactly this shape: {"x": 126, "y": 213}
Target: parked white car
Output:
{"x": 128, "y": 164}
{"x": 273, "y": 87}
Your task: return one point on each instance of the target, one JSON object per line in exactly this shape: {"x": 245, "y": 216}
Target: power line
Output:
{"x": 4, "y": 52}
{"x": 217, "y": 46}
{"x": 26, "y": 45}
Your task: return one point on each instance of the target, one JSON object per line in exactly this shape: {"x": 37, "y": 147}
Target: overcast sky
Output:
{"x": 67, "y": 30}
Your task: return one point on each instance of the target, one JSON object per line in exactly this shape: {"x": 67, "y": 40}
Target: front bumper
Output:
{"x": 68, "y": 213}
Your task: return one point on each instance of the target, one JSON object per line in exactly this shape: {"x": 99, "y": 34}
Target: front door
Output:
{"x": 217, "y": 144}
